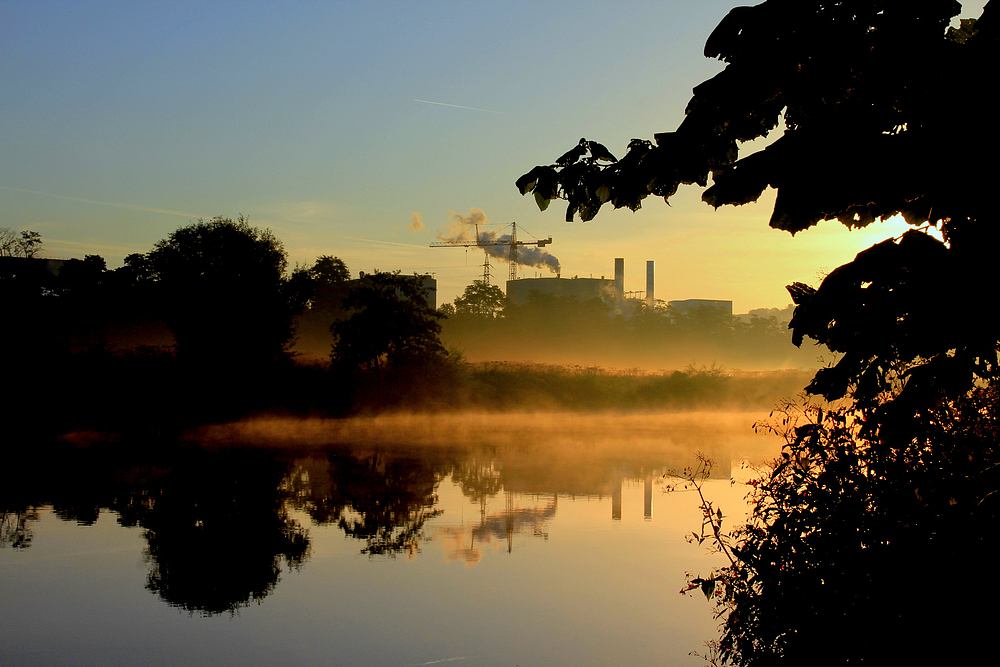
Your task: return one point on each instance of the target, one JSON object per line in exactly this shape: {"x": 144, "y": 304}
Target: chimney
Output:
{"x": 620, "y": 278}
{"x": 650, "y": 299}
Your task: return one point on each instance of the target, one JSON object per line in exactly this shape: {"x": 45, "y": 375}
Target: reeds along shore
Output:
{"x": 151, "y": 390}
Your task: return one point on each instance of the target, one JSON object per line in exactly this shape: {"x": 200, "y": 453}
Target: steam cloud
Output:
{"x": 462, "y": 228}
{"x": 416, "y": 222}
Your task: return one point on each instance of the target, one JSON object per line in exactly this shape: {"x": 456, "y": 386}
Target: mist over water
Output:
{"x": 306, "y": 533}
{"x": 575, "y": 433}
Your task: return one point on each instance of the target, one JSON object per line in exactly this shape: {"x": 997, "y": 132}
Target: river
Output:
{"x": 480, "y": 540}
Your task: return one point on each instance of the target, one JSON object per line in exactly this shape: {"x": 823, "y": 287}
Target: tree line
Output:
{"x": 201, "y": 327}
{"x": 212, "y": 324}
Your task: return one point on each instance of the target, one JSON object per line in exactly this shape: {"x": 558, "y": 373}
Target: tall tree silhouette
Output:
{"x": 225, "y": 292}
{"x": 390, "y": 324}
{"x": 481, "y": 300}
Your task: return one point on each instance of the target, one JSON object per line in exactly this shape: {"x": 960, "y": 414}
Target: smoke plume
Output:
{"x": 416, "y": 222}
{"x": 462, "y": 228}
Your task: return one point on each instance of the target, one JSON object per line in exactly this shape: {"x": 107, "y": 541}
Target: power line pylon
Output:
{"x": 512, "y": 259}
{"x": 486, "y": 268}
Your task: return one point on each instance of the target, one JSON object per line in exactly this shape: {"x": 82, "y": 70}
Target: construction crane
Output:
{"x": 513, "y": 242}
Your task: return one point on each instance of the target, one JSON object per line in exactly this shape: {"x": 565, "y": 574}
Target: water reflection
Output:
{"x": 379, "y": 498}
{"x": 218, "y": 531}
{"x": 216, "y": 523}
{"x": 221, "y": 524}
{"x": 15, "y": 527}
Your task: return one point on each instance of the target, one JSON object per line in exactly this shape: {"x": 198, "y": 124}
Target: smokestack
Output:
{"x": 616, "y": 495}
{"x": 649, "y": 283}
{"x": 647, "y": 495}
{"x": 620, "y": 278}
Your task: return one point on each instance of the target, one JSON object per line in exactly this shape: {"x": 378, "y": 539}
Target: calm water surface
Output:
{"x": 411, "y": 540}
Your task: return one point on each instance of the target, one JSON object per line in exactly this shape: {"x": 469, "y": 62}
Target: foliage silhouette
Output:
{"x": 390, "y": 324}
{"x": 25, "y": 244}
{"x": 849, "y": 538}
{"x": 329, "y": 270}
{"x": 893, "y": 91}
{"x": 481, "y": 300}
{"x": 891, "y": 495}
{"x": 226, "y": 297}
{"x": 325, "y": 284}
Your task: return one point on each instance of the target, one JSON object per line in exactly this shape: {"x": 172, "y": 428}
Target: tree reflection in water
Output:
{"x": 218, "y": 532}
{"x": 15, "y": 527}
{"x": 379, "y": 497}
{"x": 218, "y": 520}
{"x": 215, "y": 522}
{"x": 385, "y": 497}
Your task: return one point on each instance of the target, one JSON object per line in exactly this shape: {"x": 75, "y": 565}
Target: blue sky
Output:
{"x": 123, "y": 121}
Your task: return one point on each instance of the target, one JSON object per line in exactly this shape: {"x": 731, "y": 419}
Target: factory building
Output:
{"x": 581, "y": 289}
{"x": 611, "y": 291}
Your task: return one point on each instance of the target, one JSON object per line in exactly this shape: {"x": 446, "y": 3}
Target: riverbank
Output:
{"x": 153, "y": 392}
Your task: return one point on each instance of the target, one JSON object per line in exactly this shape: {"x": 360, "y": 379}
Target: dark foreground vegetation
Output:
{"x": 870, "y": 536}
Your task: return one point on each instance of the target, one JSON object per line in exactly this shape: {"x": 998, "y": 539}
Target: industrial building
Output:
{"x": 611, "y": 291}
{"x": 581, "y": 289}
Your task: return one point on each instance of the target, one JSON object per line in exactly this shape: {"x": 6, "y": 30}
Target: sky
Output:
{"x": 339, "y": 125}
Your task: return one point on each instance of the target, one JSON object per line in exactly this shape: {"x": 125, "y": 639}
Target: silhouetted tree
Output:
{"x": 892, "y": 91}
{"x": 328, "y": 270}
{"x": 482, "y": 300}
{"x": 25, "y": 244}
{"x": 226, "y": 296}
{"x": 869, "y": 94}
{"x": 78, "y": 276}
{"x": 326, "y": 285}
{"x": 390, "y": 324}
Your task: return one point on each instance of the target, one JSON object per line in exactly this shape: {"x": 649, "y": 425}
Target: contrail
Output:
{"x": 437, "y": 662}
{"x": 457, "y": 106}
{"x": 405, "y": 245}
{"x": 133, "y": 207}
